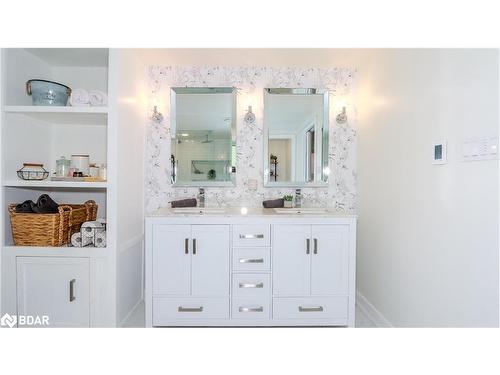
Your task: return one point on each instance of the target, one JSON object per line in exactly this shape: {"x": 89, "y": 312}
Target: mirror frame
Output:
{"x": 323, "y": 182}
{"x": 173, "y": 126}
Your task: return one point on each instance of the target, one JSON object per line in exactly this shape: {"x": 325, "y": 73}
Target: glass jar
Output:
{"x": 62, "y": 167}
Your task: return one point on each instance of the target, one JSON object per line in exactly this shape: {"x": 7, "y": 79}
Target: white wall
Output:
{"x": 428, "y": 234}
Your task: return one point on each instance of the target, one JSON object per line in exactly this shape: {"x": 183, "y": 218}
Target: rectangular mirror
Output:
{"x": 295, "y": 137}
{"x": 203, "y": 131}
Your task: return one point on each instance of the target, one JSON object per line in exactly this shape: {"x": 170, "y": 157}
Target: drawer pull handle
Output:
{"x": 186, "y": 246}
{"x": 72, "y": 290}
{"x": 315, "y": 246}
{"x": 249, "y": 285}
{"x": 190, "y": 309}
{"x": 308, "y": 246}
{"x": 251, "y": 309}
{"x": 251, "y": 236}
{"x": 310, "y": 309}
{"x": 251, "y": 260}
{"x": 194, "y": 246}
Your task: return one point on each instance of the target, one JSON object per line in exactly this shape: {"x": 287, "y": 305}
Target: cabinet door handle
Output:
{"x": 250, "y": 285}
{"x": 310, "y": 309}
{"x": 72, "y": 290}
{"x": 251, "y": 236}
{"x": 186, "y": 246}
{"x": 190, "y": 309}
{"x": 315, "y": 246}
{"x": 194, "y": 246}
{"x": 251, "y": 309}
{"x": 251, "y": 260}
{"x": 308, "y": 246}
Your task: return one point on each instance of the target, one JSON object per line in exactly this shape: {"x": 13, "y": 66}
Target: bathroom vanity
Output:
{"x": 250, "y": 267}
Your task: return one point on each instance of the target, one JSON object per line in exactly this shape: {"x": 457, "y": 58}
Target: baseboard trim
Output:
{"x": 370, "y": 312}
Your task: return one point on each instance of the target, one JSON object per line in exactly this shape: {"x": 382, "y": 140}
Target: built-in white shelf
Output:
{"x": 56, "y": 184}
{"x": 70, "y": 251}
{"x": 62, "y": 115}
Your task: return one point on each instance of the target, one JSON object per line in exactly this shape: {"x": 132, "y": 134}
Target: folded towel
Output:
{"x": 274, "y": 203}
{"x": 25, "y": 206}
{"x": 79, "y": 98}
{"x": 190, "y": 202}
{"x": 98, "y": 98}
{"x": 45, "y": 205}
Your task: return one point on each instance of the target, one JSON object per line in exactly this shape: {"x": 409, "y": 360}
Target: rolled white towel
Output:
{"x": 79, "y": 98}
{"x": 78, "y": 241}
{"x": 98, "y": 98}
{"x": 100, "y": 239}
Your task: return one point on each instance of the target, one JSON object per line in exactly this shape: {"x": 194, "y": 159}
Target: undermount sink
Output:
{"x": 298, "y": 211}
{"x": 198, "y": 210}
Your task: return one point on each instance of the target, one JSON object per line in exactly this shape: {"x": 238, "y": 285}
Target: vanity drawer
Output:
{"x": 310, "y": 308}
{"x": 252, "y": 235}
{"x": 168, "y": 309}
{"x": 251, "y": 259}
{"x": 251, "y": 285}
{"x": 251, "y": 308}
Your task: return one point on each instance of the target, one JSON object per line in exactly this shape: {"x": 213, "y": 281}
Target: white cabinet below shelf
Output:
{"x": 57, "y": 288}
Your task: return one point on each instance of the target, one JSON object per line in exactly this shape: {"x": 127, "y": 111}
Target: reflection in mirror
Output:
{"x": 296, "y": 137}
{"x": 203, "y": 131}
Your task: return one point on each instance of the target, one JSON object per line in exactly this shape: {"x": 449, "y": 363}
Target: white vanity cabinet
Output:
{"x": 250, "y": 270}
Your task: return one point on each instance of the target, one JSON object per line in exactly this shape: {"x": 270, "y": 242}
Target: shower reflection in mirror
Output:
{"x": 203, "y": 130}
{"x": 296, "y": 137}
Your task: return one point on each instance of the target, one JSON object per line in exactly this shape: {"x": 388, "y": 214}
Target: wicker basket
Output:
{"x": 30, "y": 229}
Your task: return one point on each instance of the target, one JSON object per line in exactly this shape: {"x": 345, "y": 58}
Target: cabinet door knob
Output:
{"x": 72, "y": 290}
{"x": 194, "y": 246}
{"x": 315, "y": 246}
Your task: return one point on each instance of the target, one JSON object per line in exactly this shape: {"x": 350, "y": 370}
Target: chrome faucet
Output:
{"x": 298, "y": 198}
{"x": 201, "y": 198}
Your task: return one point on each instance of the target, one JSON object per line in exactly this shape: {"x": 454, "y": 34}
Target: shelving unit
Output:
{"x": 43, "y": 134}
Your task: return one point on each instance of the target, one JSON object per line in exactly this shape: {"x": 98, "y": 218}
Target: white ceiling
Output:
{"x": 290, "y": 113}
{"x": 95, "y": 57}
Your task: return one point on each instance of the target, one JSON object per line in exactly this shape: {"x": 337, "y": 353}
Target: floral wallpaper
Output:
{"x": 250, "y": 81}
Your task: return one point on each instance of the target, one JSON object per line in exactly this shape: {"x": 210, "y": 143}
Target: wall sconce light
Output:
{"x": 341, "y": 117}
{"x": 250, "y": 116}
{"x": 156, "y": 116}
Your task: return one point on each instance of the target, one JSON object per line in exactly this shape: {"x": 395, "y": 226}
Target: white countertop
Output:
{"x": 316, "y": 212}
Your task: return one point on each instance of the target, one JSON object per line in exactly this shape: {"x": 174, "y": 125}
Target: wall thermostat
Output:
{"x": 439, "y": 152}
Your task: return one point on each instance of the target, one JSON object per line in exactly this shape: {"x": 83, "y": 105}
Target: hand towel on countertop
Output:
{"x": 79, "y": 98}
{"x": 274, "y": 203}
{"x": 190, "y": 202}
{"x": 98, "y": 98}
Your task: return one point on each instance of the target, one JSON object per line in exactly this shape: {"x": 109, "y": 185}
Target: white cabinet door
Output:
{"x": 171, "y": 259}
{"x": 291, "y": 260}
{"x": 329, "y": 259}
{"x": 55, "y": 287}
{"x": 210, "y": 260}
